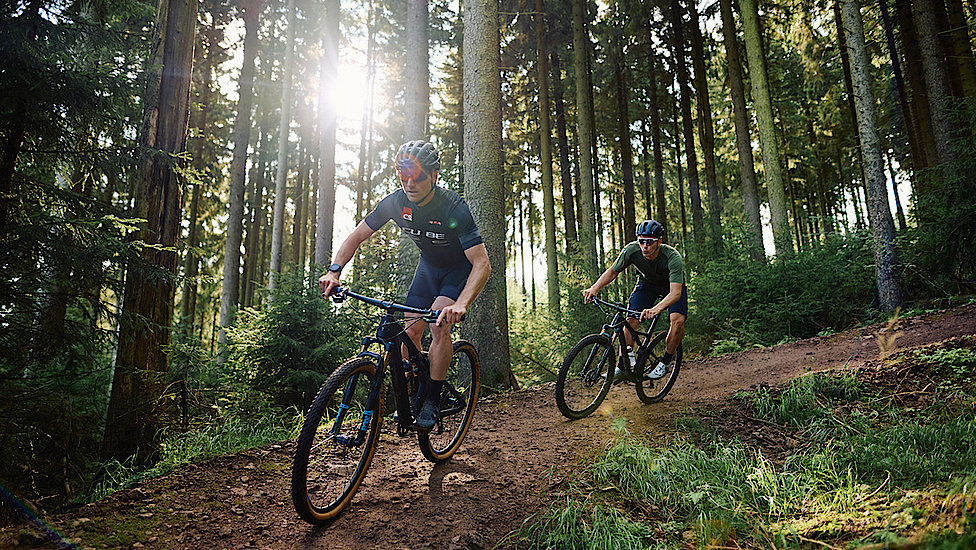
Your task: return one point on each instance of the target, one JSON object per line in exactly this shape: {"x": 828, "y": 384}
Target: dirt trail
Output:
{"x": 518, "y": 450}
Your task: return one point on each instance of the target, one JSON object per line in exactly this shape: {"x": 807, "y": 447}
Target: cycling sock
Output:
{"x": 434, "y": 391}
{"x": 666, "y": 359}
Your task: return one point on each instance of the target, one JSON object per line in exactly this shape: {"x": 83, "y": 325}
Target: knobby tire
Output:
{"x": 458, "y": 400}
{"x": 585, "y": 376}
{"x": 653, "y": 391}
{"x": 332, "y": 458}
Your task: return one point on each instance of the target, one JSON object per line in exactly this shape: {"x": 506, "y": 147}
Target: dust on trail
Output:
{"x": 513, "y": 462}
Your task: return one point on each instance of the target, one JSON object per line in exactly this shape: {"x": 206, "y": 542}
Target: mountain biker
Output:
{"x": 453, "y": 264}
{"x": 661, "y": 274}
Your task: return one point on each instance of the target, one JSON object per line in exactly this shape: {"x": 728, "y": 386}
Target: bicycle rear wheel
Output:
{"x": 652, "y": 391}
{"x": 458, "y": 400}
{"x": 337, "y": 443}
{"x": 585, "y": 377}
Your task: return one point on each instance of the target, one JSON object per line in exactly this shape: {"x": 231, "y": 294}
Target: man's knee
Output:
{"x": 439, "y": 332}
{"x": 415, "y": 329}
{"x": 678, "y": 320}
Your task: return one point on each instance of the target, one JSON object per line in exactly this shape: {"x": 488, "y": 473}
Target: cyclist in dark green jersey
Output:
{"x": 453, "y": 264}
{"x": 661, "y": 274}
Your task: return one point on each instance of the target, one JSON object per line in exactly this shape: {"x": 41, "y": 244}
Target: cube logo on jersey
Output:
{"x": 407, "y": 213}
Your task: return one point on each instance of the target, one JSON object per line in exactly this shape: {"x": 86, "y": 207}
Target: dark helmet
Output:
{"x": 417, "y": 154}
{"x": 650, "y": 228}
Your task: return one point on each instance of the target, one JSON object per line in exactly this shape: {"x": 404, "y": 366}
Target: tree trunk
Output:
{"x": 545, "y": 157}
{"x": 231, "y": 283}
{"x": 416, "y": 103}
{"x": 416, "y": 86}
{"x": 626, "y": 150}
{"x": 691, "y": 155}
{"x": 584, "y": 111}
{"x": 743, "y": 139}
{"x": 298, "y": 221}
{"x": 327, "y": 145}
{"x": 909, "y": 127}
{"x": 281, "y": 175}
{"x": 366, "y": 124}
{"x": 569, "y": 212}
{"x": 959, "y": 49}
{"x": 136, "y": 406}
{"x": 706, "y": 134}
{"x": 767, "y": 129}
{"x": 890, "y": 290}
{"x": 655, "y": 108}
{"x": 487, "y": 319}
{"x": 918, "y": 95}
{"x": 936, "y": 86}
{"x": 191, "y": 264}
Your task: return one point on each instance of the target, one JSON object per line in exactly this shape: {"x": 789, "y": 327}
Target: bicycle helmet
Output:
{"x": 650, "y": 228}
{"x": 416, "y": 155}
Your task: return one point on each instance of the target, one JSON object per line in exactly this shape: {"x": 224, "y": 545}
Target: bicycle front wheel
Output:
{"x": 652, "y": 391}
{"x": 337, "y": 442}
{"x": 458, "y": 399}
{"x": 585, "y": 377}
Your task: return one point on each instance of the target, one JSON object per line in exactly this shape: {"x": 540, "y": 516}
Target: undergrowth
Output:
{"x": 885, "y": 457}
{"x": 226, "y": 434}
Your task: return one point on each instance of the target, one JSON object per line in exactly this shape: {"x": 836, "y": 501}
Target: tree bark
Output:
{"x": 545, "y": 157}
{"x": 910, "y": 128}
{"x": 624, "y": 146}
{"x": 136, "y": 406}
{"x": 918, "y": 95}
{"x": 487, "y": 320}
{"x": 281, "y": 175}
{"x": 959, "y": 49}
{"x": 565, "y": 169}
{"x": 890, "y": 291}
{"x": 767, "y": 129}
{"x": 743, "y": 139}
{"x": 327, "y": 144}
{"x": 706, "y": 134}
{"x": 655, "y": 108}
{"x": 416, "y": 100}
{"x": 231, "y": 283}
{"x": 584, "y": 123}
{"x": 936, "y": 86}
{"x": 691, "y": 155}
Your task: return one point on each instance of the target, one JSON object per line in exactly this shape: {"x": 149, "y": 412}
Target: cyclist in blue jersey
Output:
{"x": 453, "y": 264}
{"x": 661, "y": 274}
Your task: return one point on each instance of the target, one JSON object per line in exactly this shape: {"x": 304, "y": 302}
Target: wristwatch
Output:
{"x": 335, "y": 268}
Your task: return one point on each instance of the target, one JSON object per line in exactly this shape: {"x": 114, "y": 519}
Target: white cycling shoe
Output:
{"x": 659, "y": 371}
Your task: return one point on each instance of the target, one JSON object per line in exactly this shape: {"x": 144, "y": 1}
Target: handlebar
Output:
{"x": 339, "y": 294}
{"x": 598, "y": 303}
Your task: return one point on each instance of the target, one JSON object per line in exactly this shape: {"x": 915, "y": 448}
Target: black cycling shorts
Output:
{"x": 430, "y": 281}
{"x": 645, "y": 296}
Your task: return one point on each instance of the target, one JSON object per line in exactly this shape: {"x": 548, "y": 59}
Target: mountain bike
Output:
{"x": 589, "y": 368}
{"x": 341, "y": 430}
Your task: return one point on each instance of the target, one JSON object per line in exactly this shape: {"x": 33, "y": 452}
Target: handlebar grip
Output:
{"x": 338, "y": 294}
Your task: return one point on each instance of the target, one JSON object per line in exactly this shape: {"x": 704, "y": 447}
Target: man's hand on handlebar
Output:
{"x": 328, "y": 282}
{"x": 649, "y": 313}
{"x": 588, "y": 295}
{"x": 451, "y": 314}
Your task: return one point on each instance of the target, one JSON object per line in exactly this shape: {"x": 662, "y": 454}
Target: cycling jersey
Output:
{"x": 443, "y": 228}
{"x": 658, "y": 273}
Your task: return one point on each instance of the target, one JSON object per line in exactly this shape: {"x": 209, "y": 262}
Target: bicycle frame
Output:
{"x": 615, "y": 329}
{"x": 390, "y": 334}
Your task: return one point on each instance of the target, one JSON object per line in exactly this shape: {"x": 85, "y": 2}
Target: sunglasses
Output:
{"x": 647, "y": 242}
{"x": 408, "y": 168}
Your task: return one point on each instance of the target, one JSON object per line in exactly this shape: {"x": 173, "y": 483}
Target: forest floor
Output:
{"x": 517, "y": 456}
